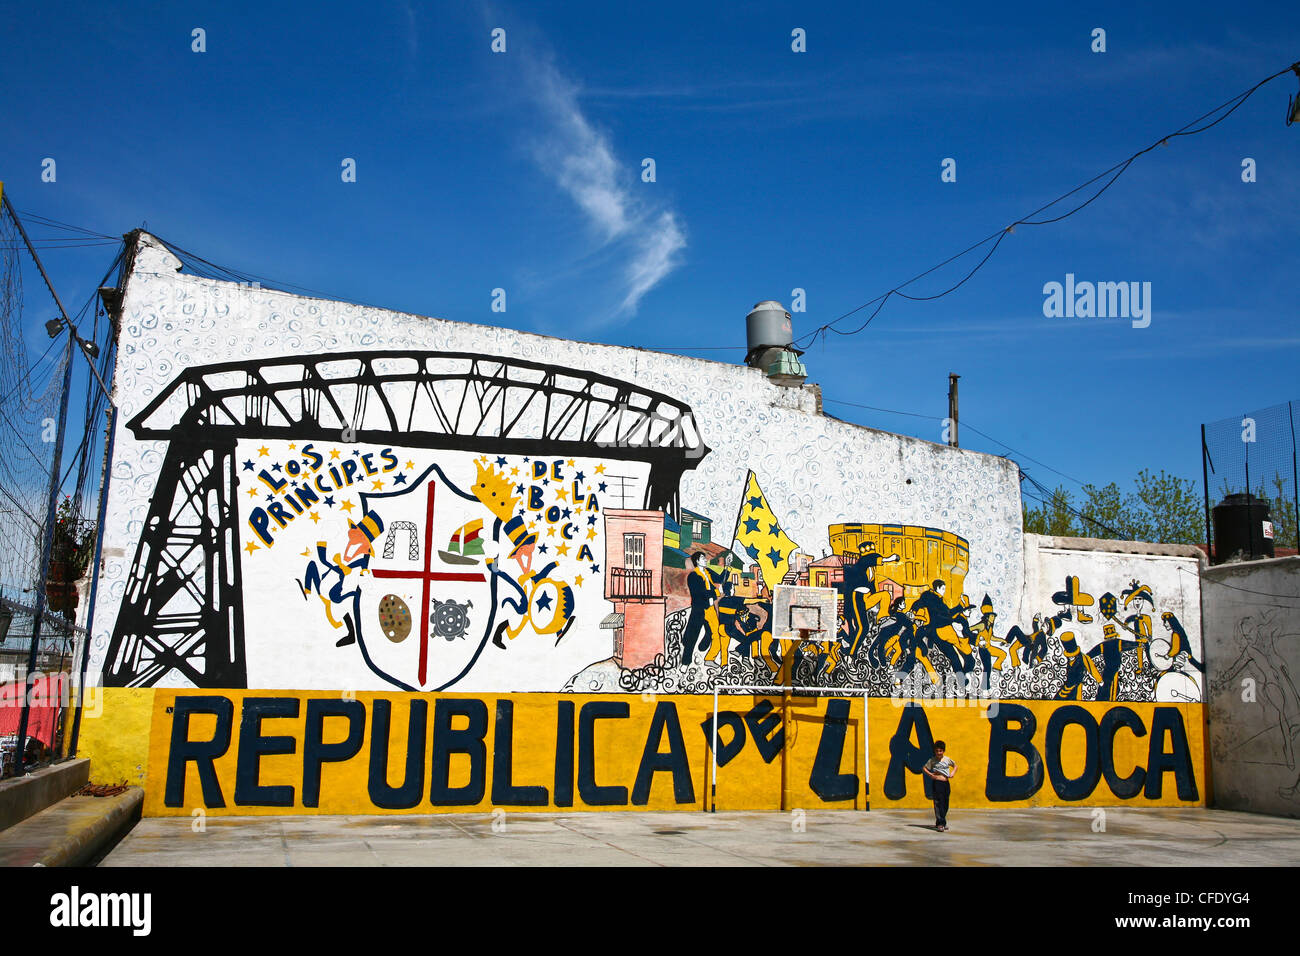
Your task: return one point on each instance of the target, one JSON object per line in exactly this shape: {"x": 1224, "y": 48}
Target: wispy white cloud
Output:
{"x": 657, "y": 249}
{"x": 580, "y": 158}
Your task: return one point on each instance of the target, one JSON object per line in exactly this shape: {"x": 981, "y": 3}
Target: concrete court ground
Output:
{"x": 1033, "y": 837}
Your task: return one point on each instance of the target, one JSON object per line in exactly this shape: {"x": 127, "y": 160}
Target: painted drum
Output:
{"x": 1175, "y": 687}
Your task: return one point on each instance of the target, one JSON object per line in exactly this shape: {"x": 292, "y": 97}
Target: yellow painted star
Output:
{"x": 292, "y": 446}
{"x": 252, "y": 492}
{"x": 591, "y": 534}
{"x": 600, "y": 469}
{"x": 251, "y": 547}
{"x": 550, "y": 532}
{"x": 561, "y": 550}
{"x": 514, "y": 472}
{"x": 532, "y": 526}
{"x": 377, "y": 485}
{"x": 347, "y": 506}
{"x": 264, "y": 451}
{"x": 562, "y": 495}
{"x": 313, "y": 516}
{"x": 569, "y": 462}
{"x": 578, "y": 580}
{"x": 409, "y": 464}
{"x": 334, "y": 453}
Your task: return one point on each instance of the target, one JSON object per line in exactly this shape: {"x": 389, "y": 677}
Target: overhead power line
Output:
{"x": 965, "y": 423}
{"x": 889, "y": 411}
{"x": 1114, "y": 172}
{"x": 68, "y": 227}
{"x": 211, "y": 270}
{"x": 1052, "y": 499}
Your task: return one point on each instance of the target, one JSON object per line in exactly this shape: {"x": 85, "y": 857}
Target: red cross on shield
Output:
{"x": 406, "y": 572}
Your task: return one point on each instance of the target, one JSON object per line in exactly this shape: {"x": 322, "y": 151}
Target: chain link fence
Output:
{"x": 1255, "y": 453}
{"x": 52, "y": 419}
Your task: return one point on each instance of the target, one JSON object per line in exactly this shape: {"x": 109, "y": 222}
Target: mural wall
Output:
{"x": 313, "y": 496}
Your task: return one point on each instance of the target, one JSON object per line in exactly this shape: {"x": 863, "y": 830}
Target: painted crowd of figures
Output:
{"x": 880, "y": 628}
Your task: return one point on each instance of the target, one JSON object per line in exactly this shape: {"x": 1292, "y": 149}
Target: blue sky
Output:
{"x": 775, "y": 170}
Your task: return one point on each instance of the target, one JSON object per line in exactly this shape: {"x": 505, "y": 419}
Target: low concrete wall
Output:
{"x": 1251, "y": 614}
{"x": 25, "y": 796}
{"x": 77, "y": 831}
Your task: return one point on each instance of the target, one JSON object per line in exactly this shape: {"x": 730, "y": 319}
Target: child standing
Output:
{"x": 940, "y": 769}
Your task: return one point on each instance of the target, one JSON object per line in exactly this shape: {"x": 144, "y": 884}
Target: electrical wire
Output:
{"x": 1058, "y": 501}
{"x": 1050, "y": 499}
{"x": 1115, "y": 171}
{"x": 890, "y": 411}
{"x": 211, "y": 270}
{"x": 56, "y": 224}
{"x": 966, "y": 424}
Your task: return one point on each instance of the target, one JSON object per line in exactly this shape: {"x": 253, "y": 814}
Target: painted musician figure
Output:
{"x": 726, "y": 614}
{"x": 860, "y": 595}
{"x": 942, "y": 628}
{"x": 990, "y": 650}
{"x": 1078, "y": 665}
{"x": 1109, "y": 656}
{"x": 355, "y": 557}
{"x": 894, "y": 639}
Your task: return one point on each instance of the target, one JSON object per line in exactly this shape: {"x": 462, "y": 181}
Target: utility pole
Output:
{"x": 952, "y": 409}
{"x": 20, "y": 758}
{"x": 51, "y": 511}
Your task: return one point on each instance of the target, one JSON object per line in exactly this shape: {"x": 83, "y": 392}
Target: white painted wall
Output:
{"x": 1171, "y": 572}
{"x": 814, "y": 470}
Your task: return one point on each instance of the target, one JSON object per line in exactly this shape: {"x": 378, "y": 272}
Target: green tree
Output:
{"x": 1055, "y": 516}
{"x": 1172, "y": 510}
{"x": 1107, "y": 513}
{"x": 1163, "y": 508}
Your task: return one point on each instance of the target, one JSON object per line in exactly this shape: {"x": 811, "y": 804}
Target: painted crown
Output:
{"x": 493, "y": 489}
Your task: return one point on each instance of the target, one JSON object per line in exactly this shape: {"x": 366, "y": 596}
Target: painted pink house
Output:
{"x": 634, "y": 561}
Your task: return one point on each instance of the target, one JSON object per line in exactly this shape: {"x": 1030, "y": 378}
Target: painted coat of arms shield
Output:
{"x": 429, "y": 602}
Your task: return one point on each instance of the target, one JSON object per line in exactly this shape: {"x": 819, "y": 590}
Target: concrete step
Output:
{"x": 24, "y": 796}
{"x": 76, "y": 831}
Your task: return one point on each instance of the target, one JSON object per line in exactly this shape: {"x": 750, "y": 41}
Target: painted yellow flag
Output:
{"x": 760, "y": 534}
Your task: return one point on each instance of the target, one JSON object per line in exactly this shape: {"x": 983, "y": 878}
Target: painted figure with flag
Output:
{"x": 759, "y": 534}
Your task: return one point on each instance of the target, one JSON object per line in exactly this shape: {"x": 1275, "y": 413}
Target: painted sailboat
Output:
{"x": 466, "y": 544}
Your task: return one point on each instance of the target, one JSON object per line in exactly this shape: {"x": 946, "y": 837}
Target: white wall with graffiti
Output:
{"x": 1252, "y": 624}
{"x": 1114, "y": 621}
{"x": 315, "y": 495}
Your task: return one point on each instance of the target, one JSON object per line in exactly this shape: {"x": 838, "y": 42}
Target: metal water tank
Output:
{"x": 1240, "y": 522}
{"x": 767, "y": 326}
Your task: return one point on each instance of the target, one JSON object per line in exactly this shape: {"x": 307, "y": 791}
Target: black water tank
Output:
{"x": 1239, "y": 529}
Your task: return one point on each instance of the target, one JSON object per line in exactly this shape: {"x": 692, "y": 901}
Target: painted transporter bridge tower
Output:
{"x": 181, "y": 615}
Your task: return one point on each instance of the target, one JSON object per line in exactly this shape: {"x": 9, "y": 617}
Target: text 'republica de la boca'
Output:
{"x": 318, "y": 752}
